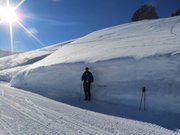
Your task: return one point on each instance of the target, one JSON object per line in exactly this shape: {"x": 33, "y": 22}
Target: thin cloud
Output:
{"x": 56, "y": 0}
{"x": 53, "y": 22}
{"x": 60, "y": 23}
{"x": 33, "y": 31}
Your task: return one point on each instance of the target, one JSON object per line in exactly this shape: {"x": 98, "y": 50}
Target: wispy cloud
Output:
{"x": 33, "y": 31}
{"x": 56, "y": 0}
{"x": 52, "y": 22}
{"x": 60, "y": 23}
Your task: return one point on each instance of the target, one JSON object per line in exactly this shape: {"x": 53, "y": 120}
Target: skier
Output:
{"x": 88, "y": 78}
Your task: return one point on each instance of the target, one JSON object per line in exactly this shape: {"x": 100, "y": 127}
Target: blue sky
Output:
{"x": 54, "y": 21}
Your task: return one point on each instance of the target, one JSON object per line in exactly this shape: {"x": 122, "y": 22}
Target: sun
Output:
{"x": 8, "y": 14}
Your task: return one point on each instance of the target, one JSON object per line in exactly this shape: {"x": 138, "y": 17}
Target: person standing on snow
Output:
{"x": 87, "y": 78}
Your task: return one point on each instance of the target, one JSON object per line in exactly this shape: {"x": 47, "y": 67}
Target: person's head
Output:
{"x": 87, "y": 69}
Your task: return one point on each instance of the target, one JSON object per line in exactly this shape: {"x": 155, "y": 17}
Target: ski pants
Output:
{"x": 87, "y": 90}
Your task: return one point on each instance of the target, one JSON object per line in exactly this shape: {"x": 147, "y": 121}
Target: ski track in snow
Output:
{"x": 51, "y": 118}
{"x": 26, "y": 113}
{"x": 173, "y": 28}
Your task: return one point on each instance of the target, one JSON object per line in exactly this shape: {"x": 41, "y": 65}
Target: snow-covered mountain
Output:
{"x": 123, "y": 59}
{"x": 4, "y": 53}
{"x": 11, "y": 65}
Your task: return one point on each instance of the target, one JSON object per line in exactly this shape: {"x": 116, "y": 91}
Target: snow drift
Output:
{"x": 11, "y": 65}
{"x": 123, "y": 59}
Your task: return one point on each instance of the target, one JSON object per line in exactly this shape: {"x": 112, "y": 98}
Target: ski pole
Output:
{"x": 140, "y": 102}
{"x": 80, "y": 91}
{"x": 143, "y": 97}
{"x": 144, "y": 91}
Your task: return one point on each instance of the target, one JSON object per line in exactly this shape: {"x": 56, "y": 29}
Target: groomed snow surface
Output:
{"x": 123, "y": 59}
{"x": 25, "y": 113}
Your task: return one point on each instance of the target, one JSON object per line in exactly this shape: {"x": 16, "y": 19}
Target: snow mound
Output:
{"x": 136, "y": 40}
{"x": 123, "y": 59}
{"x": 11, "y": 65}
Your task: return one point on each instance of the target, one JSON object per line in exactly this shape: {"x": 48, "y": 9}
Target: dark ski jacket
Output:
{"x": 87, "y": 77}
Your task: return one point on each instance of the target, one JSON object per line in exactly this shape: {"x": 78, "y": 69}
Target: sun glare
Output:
{"x": 8, "y": 14}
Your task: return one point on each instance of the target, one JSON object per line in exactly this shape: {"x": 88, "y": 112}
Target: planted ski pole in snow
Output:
{"x": 143, "y": 98}
{"x": 80, "y": 91}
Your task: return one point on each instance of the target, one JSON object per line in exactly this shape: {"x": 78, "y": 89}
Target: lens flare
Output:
{"x": 8, "y": 14}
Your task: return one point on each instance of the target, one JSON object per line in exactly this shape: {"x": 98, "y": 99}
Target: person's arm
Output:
{"x": 92, "y": 78}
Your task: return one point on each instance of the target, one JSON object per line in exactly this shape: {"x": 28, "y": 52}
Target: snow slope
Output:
{"x": 25, "y": 113}
{"x": 123, "y": 59}
{"x": 4, "y": 53}
{"x": 11, "y": 65}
